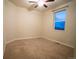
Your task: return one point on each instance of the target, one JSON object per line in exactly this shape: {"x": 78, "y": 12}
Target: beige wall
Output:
{"x": 20, "y": 23}
{"x": 66, "y": 37}
{"x": 28, "y": 23}
{"x": 9, "y": 21}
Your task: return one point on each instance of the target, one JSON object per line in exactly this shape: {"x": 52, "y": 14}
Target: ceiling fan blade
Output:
{"x": 32, "y": 2}
{"x": 45, "y": 5}
{"x": 36, "y": 6}
{"x": 49, "y": 0}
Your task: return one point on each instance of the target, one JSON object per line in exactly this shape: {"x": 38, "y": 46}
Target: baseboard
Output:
{"x": 40, "y": 37}
{"x": 21, "y": 39}
{"x": 57, "y": 42}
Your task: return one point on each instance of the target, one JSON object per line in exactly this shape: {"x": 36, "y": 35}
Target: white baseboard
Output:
{"x": 57, "y": 41}
{"x": 21, "y": 39}
{"x": 39, "y": 37}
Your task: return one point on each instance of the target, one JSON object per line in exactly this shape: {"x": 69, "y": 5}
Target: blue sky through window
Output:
{"x": 60, "y": 18}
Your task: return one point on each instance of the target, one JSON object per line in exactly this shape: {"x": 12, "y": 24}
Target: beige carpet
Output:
{"x": 37, "y": 49}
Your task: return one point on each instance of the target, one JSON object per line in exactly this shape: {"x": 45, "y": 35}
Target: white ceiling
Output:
{"x": 26, "y": 4}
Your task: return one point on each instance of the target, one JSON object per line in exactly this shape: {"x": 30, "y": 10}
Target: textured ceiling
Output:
{"x": 26, "y": 4}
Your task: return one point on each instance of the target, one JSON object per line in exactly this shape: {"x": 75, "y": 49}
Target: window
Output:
{"x": 60, "y": 18}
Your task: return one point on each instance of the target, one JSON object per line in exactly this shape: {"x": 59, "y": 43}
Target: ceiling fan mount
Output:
{"x": 40, "y": 2}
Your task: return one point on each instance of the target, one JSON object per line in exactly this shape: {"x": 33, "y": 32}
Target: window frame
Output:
{"x": 65, "y": 19}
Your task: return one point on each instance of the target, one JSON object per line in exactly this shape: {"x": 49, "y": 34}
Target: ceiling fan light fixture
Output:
{"x": 41, "y": 2}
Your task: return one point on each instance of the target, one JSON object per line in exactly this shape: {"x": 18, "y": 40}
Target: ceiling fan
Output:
{"x": 40, "y": 2}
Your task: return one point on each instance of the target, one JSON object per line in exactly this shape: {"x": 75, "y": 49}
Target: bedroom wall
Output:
{"x": 28, "y": 23}
{"x": 20, "y": 23}
{"x": 9, "y": 20}
{"x": 66, "y": 37}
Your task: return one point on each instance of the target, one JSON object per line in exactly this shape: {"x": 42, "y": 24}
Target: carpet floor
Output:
{"x": 37, "y": 49}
